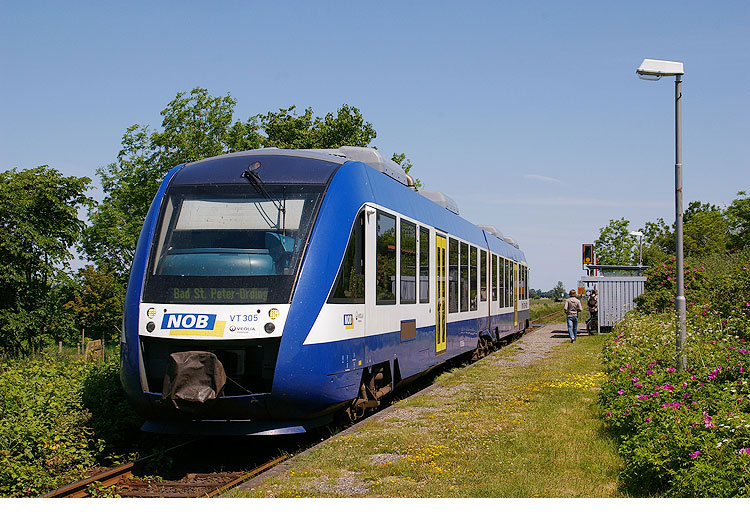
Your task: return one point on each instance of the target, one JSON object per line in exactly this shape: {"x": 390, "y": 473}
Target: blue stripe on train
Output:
{"x": 323, "y": 379}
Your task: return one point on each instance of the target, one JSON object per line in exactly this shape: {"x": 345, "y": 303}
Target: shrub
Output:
{"x": 58, "y": 418}
{"x": 684, "y": 433}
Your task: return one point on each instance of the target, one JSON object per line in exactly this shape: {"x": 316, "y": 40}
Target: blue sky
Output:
{"x": 529, "y": 114}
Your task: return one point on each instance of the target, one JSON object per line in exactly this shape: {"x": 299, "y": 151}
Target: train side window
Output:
{"x": 453, "y": 276}
{"x": 473, "y": 279}
{"x": 464, "y": 277}
{"x": 408, "y": 248}
{"x": 494, "y": 277}
{"x": 511, "y": 284}
{"x": 501, "y": 282}
{"x": 350, "y": 282}
{"x": 527, "y": 280}
{"x": 483, "y": 276}
{"x": 526, "y": 276}
{"x": 385, "y": 255}
{"x": 424, "y": 265}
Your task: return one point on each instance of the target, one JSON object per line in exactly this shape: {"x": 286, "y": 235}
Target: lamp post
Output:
{"x": 640, "y": 248}
{"x": 654, "y": 70}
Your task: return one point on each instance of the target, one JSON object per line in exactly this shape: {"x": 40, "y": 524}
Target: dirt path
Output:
{"x": 537, "y": 344}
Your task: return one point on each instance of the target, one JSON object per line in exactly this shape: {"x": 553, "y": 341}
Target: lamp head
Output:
{"x": 655, "y": 69}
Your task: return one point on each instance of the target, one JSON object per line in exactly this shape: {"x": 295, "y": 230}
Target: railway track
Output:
{"x": 122, "y": 481}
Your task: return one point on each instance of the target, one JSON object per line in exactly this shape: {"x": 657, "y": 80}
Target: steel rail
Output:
{"x": 105, "y": 479}
{"x": 246, "y": 476}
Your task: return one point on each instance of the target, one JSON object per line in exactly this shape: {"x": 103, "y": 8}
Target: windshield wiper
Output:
{"x": 251, "y": 174}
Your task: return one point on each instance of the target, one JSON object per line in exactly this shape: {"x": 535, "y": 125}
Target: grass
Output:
{"x": 539, "y": 308}
{"x": 488, "y": 430}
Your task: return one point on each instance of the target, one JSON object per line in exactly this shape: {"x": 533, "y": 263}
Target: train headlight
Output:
{"x": 270, "y": 327}
{"x": 150, "y": 327}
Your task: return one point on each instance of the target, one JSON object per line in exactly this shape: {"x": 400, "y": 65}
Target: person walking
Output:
{"x": 572, "y": 308}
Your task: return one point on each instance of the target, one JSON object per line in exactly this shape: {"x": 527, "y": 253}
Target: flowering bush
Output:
{"x": 684, "y": 433}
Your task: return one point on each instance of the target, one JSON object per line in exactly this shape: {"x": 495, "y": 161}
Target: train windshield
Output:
{"x": 230, "y": 244}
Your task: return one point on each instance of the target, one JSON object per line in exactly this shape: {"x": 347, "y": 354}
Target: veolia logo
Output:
{"x": 188, "y": 322}
{"x": 348, "y": 321}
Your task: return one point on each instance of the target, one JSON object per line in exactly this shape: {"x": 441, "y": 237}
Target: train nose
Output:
{"x": 248, "y": 364}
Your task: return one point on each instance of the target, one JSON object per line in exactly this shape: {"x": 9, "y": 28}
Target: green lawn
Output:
{"x": 488, "y": 430}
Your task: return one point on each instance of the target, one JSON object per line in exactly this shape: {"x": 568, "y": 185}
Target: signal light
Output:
{"x": 588, "y": 253}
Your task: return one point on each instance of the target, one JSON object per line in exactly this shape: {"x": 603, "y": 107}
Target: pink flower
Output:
{"x": 695, "y": 454}
{"x": 621, "y": 391}
{"x": 635, "y": 380}
{"x": 608, "y": 414}
{"x": 648, "y": 420}
{"x": 744, "y": 451}
{"x": 708, "y": 421}
{"x": 650, "y": 372}
{"x": 670, "y": 369}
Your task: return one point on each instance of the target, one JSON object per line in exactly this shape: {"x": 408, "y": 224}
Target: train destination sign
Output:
{"x": 218, "y": 295}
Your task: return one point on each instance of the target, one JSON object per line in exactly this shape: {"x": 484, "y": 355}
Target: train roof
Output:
{"x": 235, "y": 163}
{"x": 316, "y": 166}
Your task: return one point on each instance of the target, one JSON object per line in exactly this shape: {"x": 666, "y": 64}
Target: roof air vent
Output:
{"x": 438, "y": 197}
{"x": 372, "y": 158}
{"x": 492, "y": 230}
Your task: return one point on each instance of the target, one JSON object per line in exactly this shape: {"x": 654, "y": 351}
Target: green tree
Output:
{"x": 558, "y": 292}
{"x": 738, "y": 219}
{"x": 705, "y": 231}
{"x": 658, "y": 243}
{"x": 98, "y": 305}
{"x": 39, "y": 225}
{"x": 195, "y": 126}
{"x": 615, "y": 245}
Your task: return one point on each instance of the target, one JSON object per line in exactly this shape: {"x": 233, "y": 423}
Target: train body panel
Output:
{"x": 370, "y": 289}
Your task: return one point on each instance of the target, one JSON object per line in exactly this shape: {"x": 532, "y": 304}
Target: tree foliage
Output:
{"x": 707, "y": 229}
{"x": 39, "y": 225}
{"x": 558, "y": 292}
{"x": 196, "y": 125}
{"x": 615, "y": 245}
{"x": 98, "y": 305}
{"x": 738, "y": 219}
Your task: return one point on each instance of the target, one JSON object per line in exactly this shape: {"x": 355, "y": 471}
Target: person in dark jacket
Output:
{"x": 593, "y": 304}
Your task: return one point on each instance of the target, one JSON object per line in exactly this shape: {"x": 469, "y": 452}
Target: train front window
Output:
{"x": 230, "y": 244}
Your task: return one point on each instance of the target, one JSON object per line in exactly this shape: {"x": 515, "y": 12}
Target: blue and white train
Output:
{"x": 273, "y": 289}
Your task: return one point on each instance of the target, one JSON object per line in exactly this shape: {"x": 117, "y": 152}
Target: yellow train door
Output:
{"x": 440, "y": 295}
{"x": 515, "y": 294}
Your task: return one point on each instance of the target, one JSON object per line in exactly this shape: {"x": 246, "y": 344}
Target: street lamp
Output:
{"x": 654, "y": 70}
{"x": 640, "y": 248}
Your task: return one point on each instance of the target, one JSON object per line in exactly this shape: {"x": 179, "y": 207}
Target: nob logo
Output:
{"x": 188, "y": 322}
